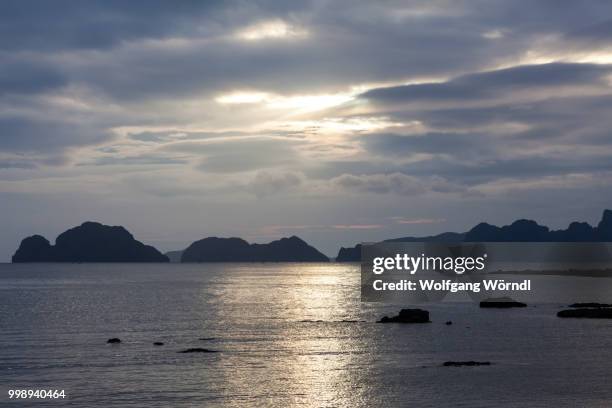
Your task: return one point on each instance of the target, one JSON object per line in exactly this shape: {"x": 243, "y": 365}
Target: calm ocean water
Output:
{"x": 287, "y": 335}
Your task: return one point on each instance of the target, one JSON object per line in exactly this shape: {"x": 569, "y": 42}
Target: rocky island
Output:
{"x": 89, "y": 242}
{"x": 213, "y": 249}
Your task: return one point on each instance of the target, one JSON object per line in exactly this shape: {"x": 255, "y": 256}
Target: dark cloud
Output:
{"x": 496, "y": 168}
{"x": 25, "y": 77}
{"x": 405, "y": 146}
{"x": 16, "y": 164}
{"x": 111, "y": 46}
{"x": 33, "y": 135}
{"x": 495, "y": 83}
{"x": 348, "y": 43}
{"x": 599, "y": 33}
{"x": 93, "y": 24}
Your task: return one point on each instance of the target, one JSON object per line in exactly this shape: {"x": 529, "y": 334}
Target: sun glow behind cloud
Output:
{"x": 274, "y": 29}
{"x": 304, "y": 103}
{"x": 301, "y": 103}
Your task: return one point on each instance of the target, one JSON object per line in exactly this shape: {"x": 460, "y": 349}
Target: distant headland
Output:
{"x": 95, "y": 242}
{"x": 519, "y": 231}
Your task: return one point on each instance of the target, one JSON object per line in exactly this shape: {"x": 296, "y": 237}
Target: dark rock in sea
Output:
{"x": 114, "y": 340}
{"x": 89, "y": 242}
{"x": 501, "y": 303}
{"x": 197, "y": 350}
{"x": 408, "y": 316}
{"x": 158, "y": 343}
{"x": 214, "y": 249}
{"x": 34, "y": 249}
{"x": 448, "y": 323}
{"x": 465, "y": 363}
{"x": 590, "y": 304}
{"x": 587, "y": 313}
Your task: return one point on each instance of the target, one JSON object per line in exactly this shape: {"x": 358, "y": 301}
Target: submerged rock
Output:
{"x": 197, "y": 350}
{"x": 590, "y": 304}
{"x": 587, "y": 313}
{"x": 465, "y": 363}
{"x": 501, "y": 303}
{"x": 408, "y": 316}
{"x": 158, "y": 343}
{"x": 114, "y": 340}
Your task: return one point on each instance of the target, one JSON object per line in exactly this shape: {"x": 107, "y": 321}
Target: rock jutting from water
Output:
{"x": 590, "y": 304}
{"x": 465, "y": 363}
{"x": 408, "y": 316}
{"x": 501, "y": 303}
{"x": 587, "y": 313}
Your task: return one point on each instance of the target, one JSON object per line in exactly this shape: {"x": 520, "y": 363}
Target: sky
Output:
{"x": 337, "y": 121}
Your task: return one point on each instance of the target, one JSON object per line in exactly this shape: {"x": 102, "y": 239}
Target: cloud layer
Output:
{"x": 345, "y": 113}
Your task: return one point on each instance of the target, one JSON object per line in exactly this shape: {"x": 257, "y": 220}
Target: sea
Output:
{"x": 282, "y": 335}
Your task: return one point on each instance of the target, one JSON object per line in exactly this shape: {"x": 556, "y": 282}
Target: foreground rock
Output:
{"x": 590, "y": 304}
{"x": 466, "y": 363}
{"x": 197, "y": 350}
{"x": 501, "y": 303}
{"x": 114, "y": 340}
{"x": 587, "y": 313}
{"x": 408, "y": 316}
{"x": 215, "y": 249}
{"x": 89, "y": 242}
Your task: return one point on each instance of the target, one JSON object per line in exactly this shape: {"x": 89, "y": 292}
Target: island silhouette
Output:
{"x": 519, "y": 231}
{"x": 89, "y": 242}
{"x": 213, "y": 249}
{"x": 95, "y": 242}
